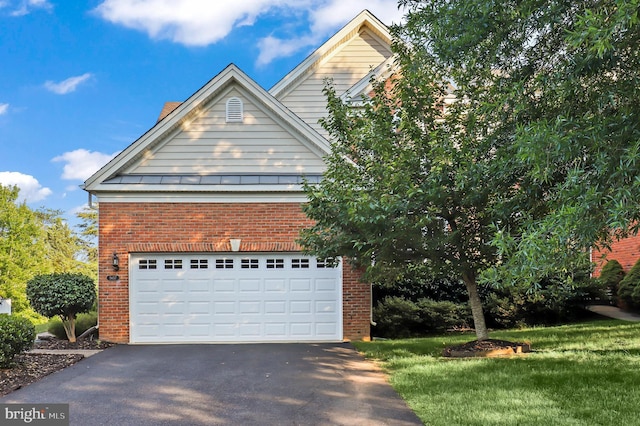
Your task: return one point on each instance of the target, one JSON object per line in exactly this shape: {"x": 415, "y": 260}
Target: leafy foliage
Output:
{"x": 22, "y": 248}
{"x": 629, "y": 287}
{"x": 87, "y": 241}
{"x": 64, "y": 295}
{"x": 611, "y": 275}
{"x": 36, "y": 242}
{"x": 16, "y": 335}
{"x": 398, "y": 317}
{"x": 552, "y": 87}
{"x": 405, "y": 186}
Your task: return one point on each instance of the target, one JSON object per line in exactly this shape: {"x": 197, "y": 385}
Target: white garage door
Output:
{"x": 178, "y": 298}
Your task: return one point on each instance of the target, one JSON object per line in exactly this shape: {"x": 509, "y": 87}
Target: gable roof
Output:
{"x": 364, "y": 19}
{"x": 119, "y": 174}
{"x": 360, "y": 91}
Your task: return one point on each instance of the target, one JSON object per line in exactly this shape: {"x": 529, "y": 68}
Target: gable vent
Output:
{"x": 234, "y": 110}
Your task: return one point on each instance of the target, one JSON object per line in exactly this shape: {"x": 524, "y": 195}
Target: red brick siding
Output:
{"x": 200, "y": 227}
{"x": 625, "y": 251}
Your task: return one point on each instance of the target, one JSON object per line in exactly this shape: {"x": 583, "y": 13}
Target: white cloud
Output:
{"x": 67, "y": 86}
{"x": 200, "y": 23}
{"x": 4, "y": 108}
{"x": 189, "y": 22}
{"x": 272, "y": 47}
{"x": 30, "y": 188}
{"x": 25, "y": 7}
{"x": 81, "y": 163}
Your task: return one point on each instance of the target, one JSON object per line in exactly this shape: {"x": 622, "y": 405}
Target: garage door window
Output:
{"x": 173, "y": 264}
{"x": 300, "y": 263}
{"x": 199, "y": 264}
{"x": 249, "y": 263}
{"x": 224, "y": 263}
{"x": 275, "y": 263}
{"x": 325, "y": 263}
{"x": 147, "y": 264}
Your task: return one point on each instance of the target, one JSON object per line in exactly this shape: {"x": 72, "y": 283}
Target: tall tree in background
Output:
{"x": 22, "y": 248}
{"x": 88, "y": 240}
{"x": 554, "y": 86}
{"x": 34, "y": 242}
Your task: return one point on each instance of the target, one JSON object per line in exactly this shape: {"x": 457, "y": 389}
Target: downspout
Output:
{"x": 371, "y": 321}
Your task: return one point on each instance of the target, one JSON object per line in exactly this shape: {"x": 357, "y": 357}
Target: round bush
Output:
{"x": 16, "y": 335}
{"x": 63, "y": 294}
{"x": 628, "y": 286}
{"x": 610, "y": 276}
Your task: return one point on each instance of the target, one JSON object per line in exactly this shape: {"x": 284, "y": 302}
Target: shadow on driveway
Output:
{"x": 253, "y": 384}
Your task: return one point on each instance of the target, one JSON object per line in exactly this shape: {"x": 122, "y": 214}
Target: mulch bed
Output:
{"x": 486, "y": 348}
{"x": 29, "y": 367}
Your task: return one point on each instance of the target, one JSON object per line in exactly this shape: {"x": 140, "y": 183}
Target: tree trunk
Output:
{"x": 69, "y": 325}
{"x": 476, "y": 306}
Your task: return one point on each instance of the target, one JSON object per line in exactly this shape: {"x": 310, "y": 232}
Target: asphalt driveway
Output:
{"x": 261, "y": 384}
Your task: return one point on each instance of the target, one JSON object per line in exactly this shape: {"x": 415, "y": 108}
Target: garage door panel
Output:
{"x": 301, "y": 285}
{"x": 233, "y": 298}
{"x": 250, "y": 307}
{"x": 224, "y": 286}
{"x": 326, "y": 306}
{"x": 222, "y": 308}
{"x": 275, "y": 286}
{"x": 326, "y": 285}
{"x": 275, "y": 329}
{"x": 273, "y": 307}
{"x": 249, "y": 286}
{"x": 301, "y": 329}
{"x": 300, "y": 307}
{"x": 325, "y": 328}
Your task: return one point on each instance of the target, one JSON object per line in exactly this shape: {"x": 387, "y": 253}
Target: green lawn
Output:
{"x": 580, "y": 374}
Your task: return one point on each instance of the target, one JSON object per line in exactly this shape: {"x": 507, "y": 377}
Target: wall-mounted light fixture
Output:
{"x": 115, "y": 262}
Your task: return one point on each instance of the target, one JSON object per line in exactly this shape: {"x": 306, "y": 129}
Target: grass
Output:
{"x": 41, "y": 328}
{"x": 580, "y": 374}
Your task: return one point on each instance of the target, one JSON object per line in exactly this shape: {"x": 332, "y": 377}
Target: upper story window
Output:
{"x": 234, "y": 110}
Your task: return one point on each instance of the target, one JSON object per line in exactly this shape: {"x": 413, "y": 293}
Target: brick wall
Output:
{"x": 625, "y": 251}
{"x": 204, "y": 227}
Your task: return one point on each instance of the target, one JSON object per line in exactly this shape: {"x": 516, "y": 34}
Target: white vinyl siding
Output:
{"x": 346, "y": 67}
{"x": 208, "y": 144}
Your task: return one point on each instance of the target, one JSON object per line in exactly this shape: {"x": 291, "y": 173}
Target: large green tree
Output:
{"x": 534, "y": 163}
{"x": 22, "y": 247}
{"x": 553, "y": 86}
{"x": 40, "y": 241}
{"x": 406, "y": 181}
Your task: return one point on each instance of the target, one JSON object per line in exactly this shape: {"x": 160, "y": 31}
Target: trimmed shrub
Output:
{"x": 552, "y": 302}
{"x": 84, "y": 322}
{"x": 628, "y": 288}
{"x": 610, "y": 276}
{"x": 16, "y": 335}
{"x": 418, "y": 283}
{"x": 64, "y": 295}
{"x": 397, "y": 317}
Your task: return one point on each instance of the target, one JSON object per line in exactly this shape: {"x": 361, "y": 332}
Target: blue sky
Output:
{"x": 81, "y": 80}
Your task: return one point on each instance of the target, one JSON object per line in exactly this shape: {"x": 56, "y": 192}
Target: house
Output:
{"x": 626, "y": 251}
{"x": 198, "y": 218}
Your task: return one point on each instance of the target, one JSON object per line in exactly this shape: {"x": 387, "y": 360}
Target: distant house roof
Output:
{"x": 168, "y": 109}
